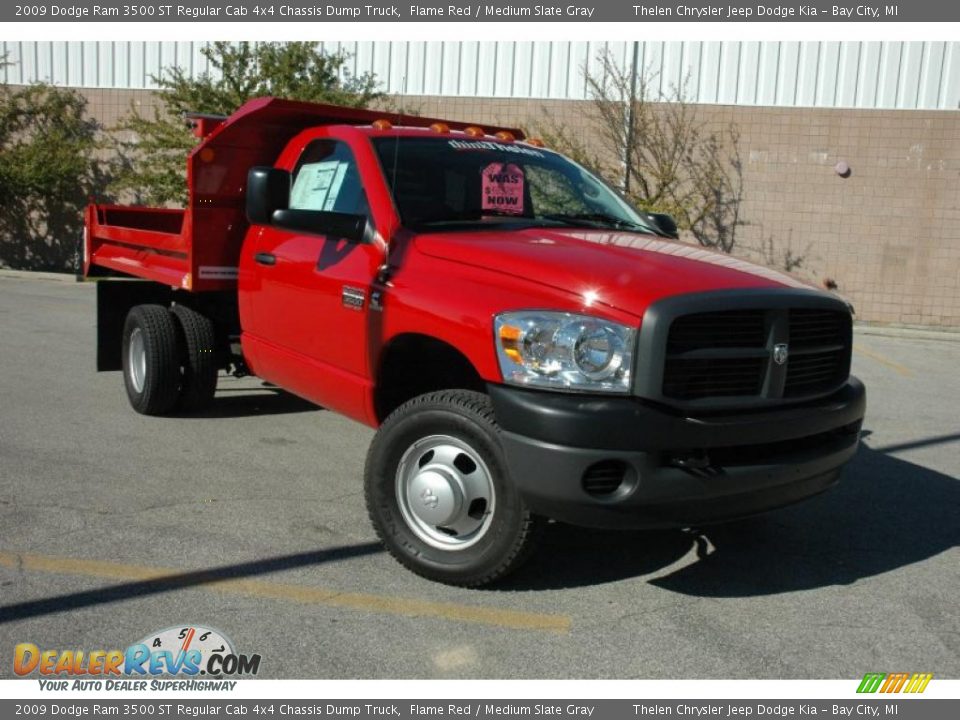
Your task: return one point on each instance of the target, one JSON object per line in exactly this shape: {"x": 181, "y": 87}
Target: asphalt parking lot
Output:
{"x": 251, "y": 520}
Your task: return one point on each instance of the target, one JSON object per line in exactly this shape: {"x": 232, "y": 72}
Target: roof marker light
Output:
{"x": 505, "y": 136}
{"x": 382, "y": 124}
{"x": 474, "y": 131}
{"x": 536, "y": 142}
{"x": 439, "y": 127}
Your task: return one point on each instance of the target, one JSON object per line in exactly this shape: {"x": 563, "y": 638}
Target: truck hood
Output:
{"x": 627, "y": 271}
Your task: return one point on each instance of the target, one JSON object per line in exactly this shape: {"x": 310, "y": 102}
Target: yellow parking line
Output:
{"x": 409, "y": 607}
{"x": 901, "y": 369}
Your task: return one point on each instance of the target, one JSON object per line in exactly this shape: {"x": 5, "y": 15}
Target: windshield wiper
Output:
{"x": 595, "y": 218}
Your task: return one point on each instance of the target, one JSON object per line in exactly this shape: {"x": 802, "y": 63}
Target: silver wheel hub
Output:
{"x": 137, "y": 359}
{"x": 445, "y": 492}
{"x": 434, "y": 497}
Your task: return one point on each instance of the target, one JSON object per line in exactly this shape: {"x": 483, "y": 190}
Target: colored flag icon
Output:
{"x": 894, "y": 682}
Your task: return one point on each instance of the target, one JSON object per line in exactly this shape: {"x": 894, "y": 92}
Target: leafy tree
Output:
{"x": 153, "y": 150}
{"x": 659, "y": 152}
{"x": 47, "y": 171}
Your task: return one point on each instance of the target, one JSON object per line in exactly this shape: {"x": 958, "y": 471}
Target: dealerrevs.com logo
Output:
{"x": 189, "y": 657}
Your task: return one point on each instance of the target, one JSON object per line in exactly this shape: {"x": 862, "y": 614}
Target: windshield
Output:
{"x": 447, "y": 183}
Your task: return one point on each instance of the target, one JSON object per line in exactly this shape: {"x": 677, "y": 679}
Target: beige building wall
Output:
{"x": 110, "y": 106}
{"x": 888, "y": 235}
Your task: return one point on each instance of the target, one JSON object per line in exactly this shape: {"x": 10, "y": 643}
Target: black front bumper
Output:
{"x": 674, "y": 470}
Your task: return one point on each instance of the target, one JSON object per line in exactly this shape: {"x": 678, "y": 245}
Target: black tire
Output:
{"x": 198, "y": 381}
{"x": 510, "y": 531}
{"x": 154, "y": 387}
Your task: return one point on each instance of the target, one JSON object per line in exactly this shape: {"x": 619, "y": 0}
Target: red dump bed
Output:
{"x": 145, "y": 242}
{"x": 199, "y": 248}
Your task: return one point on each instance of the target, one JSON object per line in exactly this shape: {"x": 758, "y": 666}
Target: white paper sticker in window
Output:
{"x": 318, "y": 185}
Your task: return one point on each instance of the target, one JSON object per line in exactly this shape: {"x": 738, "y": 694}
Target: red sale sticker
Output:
{"x": 502, "y": 188}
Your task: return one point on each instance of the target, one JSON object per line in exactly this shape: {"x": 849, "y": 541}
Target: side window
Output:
{"x": 326, "y": 178}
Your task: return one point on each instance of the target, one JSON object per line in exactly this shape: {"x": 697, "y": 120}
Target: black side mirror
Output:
{"x": 340, "y": 225}
{"x": 268, "y": 190}
{"x": 268, "y": 203}
{"x": 664, "y": 224}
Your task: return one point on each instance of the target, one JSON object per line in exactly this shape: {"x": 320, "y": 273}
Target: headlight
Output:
{"x": 564, "y": 351}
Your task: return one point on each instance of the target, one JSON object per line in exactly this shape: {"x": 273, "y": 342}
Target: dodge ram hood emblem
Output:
{"x": 780, "y": 353}
{"x": 429, "y": 498}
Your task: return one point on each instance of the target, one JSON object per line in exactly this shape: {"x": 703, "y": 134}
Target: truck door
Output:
{"x": 310, "y": 310}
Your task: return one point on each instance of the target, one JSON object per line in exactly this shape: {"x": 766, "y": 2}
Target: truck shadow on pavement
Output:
{"x": 182, "y": 581}
{"x": 254, "y": 402}
{"x": 885, "y": 514}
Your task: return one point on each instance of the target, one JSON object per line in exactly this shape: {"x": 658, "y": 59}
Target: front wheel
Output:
{"x": 439, "y": 494}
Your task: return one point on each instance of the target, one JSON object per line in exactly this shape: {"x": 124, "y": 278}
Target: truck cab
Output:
{"x": 527, "y": 345}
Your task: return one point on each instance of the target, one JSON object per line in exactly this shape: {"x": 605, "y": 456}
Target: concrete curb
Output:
{"x": 915, "y": 333}
{"x": 29, "y": 275}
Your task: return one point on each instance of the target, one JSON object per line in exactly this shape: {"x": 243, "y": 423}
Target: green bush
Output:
{"x": 47, "y": 171}
{"x": 152, "y": 151}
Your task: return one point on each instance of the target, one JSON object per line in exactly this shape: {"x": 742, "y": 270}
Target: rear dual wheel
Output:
{"x": 151, "y": 359}
{"x": 168, "y": 359}
{"x": 198, "y": 359}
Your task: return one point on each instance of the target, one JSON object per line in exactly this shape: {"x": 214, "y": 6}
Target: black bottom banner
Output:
{"x": 899, "y": 708}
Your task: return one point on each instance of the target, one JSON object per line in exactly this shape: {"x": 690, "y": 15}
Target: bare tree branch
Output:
{"x": 677, "y": 163}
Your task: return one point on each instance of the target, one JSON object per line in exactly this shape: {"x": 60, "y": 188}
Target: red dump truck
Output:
{"x": 528, "y": 345}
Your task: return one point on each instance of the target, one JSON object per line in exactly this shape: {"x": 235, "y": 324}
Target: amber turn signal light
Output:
{"x": 510, "y": 339}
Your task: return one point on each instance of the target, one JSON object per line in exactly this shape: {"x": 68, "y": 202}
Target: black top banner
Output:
{"x": 464, "y": 11}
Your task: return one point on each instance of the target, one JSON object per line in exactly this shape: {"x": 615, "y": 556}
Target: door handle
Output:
{"x": 265, "y": 258}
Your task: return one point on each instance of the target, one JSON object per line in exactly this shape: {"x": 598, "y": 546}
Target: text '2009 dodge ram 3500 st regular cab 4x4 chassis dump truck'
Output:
{"x": 528, "y": 345}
